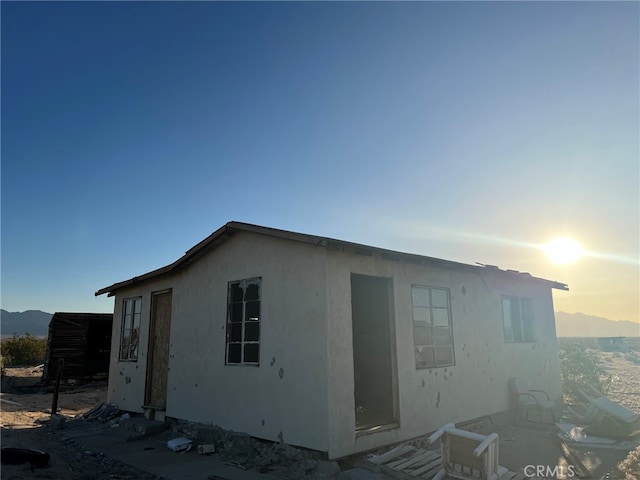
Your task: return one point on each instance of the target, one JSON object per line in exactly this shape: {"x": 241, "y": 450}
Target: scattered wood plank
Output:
{"x": 425, "y": 470}
{"x": 406, "y": 462}
{"x": 397, "y": 474}
{"x": 509, "y": 476}
{"x": 419, "y": 458}
{"x": 398, "y": 461}
{"x": 391, "y": 454}
{"x": 428, "y": 459}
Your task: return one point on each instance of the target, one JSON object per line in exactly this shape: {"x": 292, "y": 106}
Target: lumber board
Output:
{"x": 434, "y": 456}
{"x": 391, "y": 454}
{"x": 420, "y": 458}
{"x": 509, "y": 476}
{"x": 433, "y": 465}
{"x": 397, "y": 474}
{"x": 401, "y": 459}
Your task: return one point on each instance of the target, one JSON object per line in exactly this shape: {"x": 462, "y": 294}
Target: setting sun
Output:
{"x": 563, "y": 250}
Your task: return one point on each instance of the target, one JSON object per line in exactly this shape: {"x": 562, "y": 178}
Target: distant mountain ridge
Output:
{"x": 583, "y": 325}
{"x": 35, "y": 322}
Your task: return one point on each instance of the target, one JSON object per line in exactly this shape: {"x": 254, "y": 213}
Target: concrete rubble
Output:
{"x": 235, "y": 449}
{"x": 244, "y": 451}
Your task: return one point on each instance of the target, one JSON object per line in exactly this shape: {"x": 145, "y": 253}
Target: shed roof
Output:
{"x": 80, "y": 317}
{"x": 230, "y": 228}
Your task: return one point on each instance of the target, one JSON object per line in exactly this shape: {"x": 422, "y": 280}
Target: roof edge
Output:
{"x": 230, "y": 227}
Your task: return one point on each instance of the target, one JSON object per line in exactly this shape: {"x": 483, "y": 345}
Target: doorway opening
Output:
{"x": 375, "y": 381}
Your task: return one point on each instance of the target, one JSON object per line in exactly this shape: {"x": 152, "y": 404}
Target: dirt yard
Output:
{"x": 25, "y": 408}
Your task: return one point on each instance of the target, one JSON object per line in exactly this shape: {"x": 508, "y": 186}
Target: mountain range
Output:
{"x": 583, "y": 325}
{"x": 36, "y": 323}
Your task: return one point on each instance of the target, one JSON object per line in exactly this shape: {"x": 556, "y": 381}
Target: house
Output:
{"x": 83, "y": 340}
{"x": 326, "y": 344}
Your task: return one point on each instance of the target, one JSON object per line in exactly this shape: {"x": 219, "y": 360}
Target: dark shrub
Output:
{"x": 23, "y": 350}
{"x": 579, "y": 367}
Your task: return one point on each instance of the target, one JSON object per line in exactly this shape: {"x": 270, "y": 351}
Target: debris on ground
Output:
{"x": 179, "y": 444}
{"x": 601, "y": 416}
{"x": 206, "y": 449}
{"x": 243, "y": 451}
{"x": 103, "y": 412}
{"x": 16, "y": 456}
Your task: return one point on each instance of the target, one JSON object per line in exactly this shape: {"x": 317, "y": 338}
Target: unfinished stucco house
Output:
{"x": 326, "y": 344}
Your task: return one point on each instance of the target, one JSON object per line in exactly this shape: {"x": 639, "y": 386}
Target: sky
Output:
{"x": 473, "y": 132}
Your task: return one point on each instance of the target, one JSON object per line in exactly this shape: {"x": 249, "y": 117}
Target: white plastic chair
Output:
{"x": 467, "y": 455}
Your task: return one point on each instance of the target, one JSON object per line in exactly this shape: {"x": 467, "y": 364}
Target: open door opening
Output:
{"x": 158, "y": 357}
{"x": 373, "y": 352}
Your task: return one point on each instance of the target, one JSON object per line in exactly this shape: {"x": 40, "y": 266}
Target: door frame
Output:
{"x": 151, "y": 346}
{"x": 393, "y": 356}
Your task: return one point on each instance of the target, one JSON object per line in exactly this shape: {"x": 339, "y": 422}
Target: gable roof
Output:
{"x": 227, "y": 230}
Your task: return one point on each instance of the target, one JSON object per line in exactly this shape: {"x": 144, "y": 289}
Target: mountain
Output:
{"x": 582, "y": 325}
{"x": 34, "y": 322}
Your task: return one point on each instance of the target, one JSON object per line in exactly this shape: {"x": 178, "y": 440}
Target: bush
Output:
{"x": 630, "y": 466}
{"x": 579, "y": 367}
{"x": 23, "y": 350}
{"x": 633, "y": 357}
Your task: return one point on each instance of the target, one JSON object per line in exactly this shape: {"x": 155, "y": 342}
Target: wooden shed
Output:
{"x": 83, "y": 340}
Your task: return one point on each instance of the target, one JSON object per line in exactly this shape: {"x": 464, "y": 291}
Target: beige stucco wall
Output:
{"x": 303, "y": 391}
{"x": 476, "y": 385}
{"x": 286, "y": 396}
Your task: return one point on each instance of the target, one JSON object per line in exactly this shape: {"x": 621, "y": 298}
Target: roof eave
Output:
{"x": 187, "y": 257}
{"x": 229, "y": 228}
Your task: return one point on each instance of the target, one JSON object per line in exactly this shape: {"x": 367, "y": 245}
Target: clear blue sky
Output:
{"x": 466, "y": 131}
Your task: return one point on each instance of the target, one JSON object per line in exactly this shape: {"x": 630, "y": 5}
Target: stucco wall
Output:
{"x": 303, "y": 390}
{"x": 286, "y": 396}
{"x": 476, "y": 385}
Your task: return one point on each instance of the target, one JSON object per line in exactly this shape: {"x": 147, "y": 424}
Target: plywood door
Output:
{"x": 158, "y": 361}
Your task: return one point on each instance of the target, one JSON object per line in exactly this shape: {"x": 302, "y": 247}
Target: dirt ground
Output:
{"x": 24, "y": 409}
{"x": 624, "y": 371}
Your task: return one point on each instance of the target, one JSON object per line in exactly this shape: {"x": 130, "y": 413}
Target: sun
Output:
{"x": 563, "y": 250}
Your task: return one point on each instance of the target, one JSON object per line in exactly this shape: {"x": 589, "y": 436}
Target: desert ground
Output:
{"x": 624, "y": 382}
{"x": 25, "y": 410}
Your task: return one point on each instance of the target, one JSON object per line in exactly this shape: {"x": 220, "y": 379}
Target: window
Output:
{"x": 243, "y": 322}
{"x": 432, "y": 333}
{"x": 130, "y": 334}
{"x": 517, "y": 319}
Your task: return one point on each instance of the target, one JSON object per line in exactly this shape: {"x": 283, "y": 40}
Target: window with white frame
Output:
{"x": 130, "y": 332}
{"x": 517, "y": 319}
{"x": 432, "y": 331}
{"x": 243, "y": 322}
